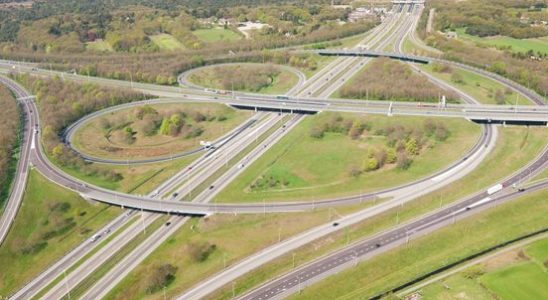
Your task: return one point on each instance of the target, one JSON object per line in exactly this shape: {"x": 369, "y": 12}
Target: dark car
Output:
{"x": 335, "y": 224}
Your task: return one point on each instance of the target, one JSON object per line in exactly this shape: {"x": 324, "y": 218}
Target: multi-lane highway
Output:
{"x": 21, "y": 172}
{"x": 308, "y": 274}
{"x": 322, "y": 84}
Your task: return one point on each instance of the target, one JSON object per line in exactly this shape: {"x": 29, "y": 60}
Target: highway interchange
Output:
{"x": 310, "y": 96}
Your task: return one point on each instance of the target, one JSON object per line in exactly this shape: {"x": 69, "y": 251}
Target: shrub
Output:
{"x": 200, "y": 252}
{"x": 404, "y": 162}
{"x": 160, "y": 277}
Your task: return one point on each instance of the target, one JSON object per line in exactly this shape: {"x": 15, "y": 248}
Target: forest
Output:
{"x": 58, "y": 34}
{"x": 490, "y": 18}
{"x": 129, "y": 26}
{"x": 61, "y": 103}
{"x": 528, "y": 69}
{"x": 385, "y": 79}
{"x": 9, "y": 128}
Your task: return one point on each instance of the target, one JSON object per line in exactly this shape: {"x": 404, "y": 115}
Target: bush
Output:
{"x": 371, "y": 164}
{"x": 457, "y": 78}
{"x": 161, "y": 277}
{"x": 404, "y": 162}
{"x": 317, "y": 132}
{"x": 200, "y": 252}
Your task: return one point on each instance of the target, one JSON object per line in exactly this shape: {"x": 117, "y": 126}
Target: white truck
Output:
{"x": 494, "y": 189}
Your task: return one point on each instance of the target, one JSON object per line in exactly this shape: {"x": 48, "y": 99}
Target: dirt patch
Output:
{"x": 504, "y": 259}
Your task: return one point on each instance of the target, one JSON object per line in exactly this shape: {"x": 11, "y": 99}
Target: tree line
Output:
{"x": 528, "y": 70}
{"x": 386, "y": 79}
{"x": 60, "y": 104}
{"x": 9, "y": 128}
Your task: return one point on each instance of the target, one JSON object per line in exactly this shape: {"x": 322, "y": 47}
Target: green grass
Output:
{"x": 92, "y": 139}
{"x": 512, "y": 152}
{"x": 455, "y": 287}
{"x": 209, "y": 78}
{"x": 497, "y": 277}
{"x": 538, "y": 251}
{"x": 255, "y": 232}
{"x": 522, "y": 281}
{"x": 517, "y": 45}
{"x": 479, "y": 87}
{"x": 504, "y": 222}
{"x": 166, "y": 42}
{"x": 216, "y": 35}
{"x": 326, "y": 173}
{"x": 99, "y": 45}
{"x": 39, "y": 214}
{"x": 137, "y": 179}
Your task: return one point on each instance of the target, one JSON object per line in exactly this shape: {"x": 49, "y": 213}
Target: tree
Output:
{"x": 411, "y": 147}
{"x": 371, "y": 164}
{"x": 404, "y": 162}
{"x": 499, "y": 97}
{"x": 160, "y": 277}
{"x": 391, "y": 156}
{"x": 356, "y": 130}
{"x": 316, "y": 132}
{"x": 164, "y": 127}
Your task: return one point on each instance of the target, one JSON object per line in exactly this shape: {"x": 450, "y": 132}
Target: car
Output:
{"x": 168, "y": 223}
{"x": 95, "y": 237}
{"x": 377, "y": 245}
{"x": 335, "y": 224}
{"x": 175, "y": 195}
{"x": 211, "y": 187}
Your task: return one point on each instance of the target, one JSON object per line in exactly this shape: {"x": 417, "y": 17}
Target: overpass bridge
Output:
{"x": 496, "y": 114}
{"x": 408, "y": 1}
{"x": 374, "y": 54}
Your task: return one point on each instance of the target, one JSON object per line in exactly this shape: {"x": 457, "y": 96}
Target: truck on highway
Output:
{"x": 282, "y": 97}
{"x": 494, "y": 189}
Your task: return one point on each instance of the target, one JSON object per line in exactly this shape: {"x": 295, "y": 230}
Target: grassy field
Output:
{"x": 166, "y": 42}
{"x": 437, "y": 249}
{"x": 515, "y": 147}
{"x": 216, "y": 35}
{"x": 326, "y": 173}
{"x": 255, "y": 232}
{"x": 479, "y": 87}
{"x": 137, "y": 179}
{"x": 92, "y": 140}
{"x": 99, "y": 45}
{"x": 210, "y": 78}
{"x": 517, "y": 45}
{"x": 515, "y": 274}
{"x": 50, "y": 222}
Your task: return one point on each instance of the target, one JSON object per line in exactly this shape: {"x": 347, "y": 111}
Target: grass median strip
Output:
{"x": 233, "y": 161}
{"x": 86, "y": 257}
{"x": 88, "y": 282}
